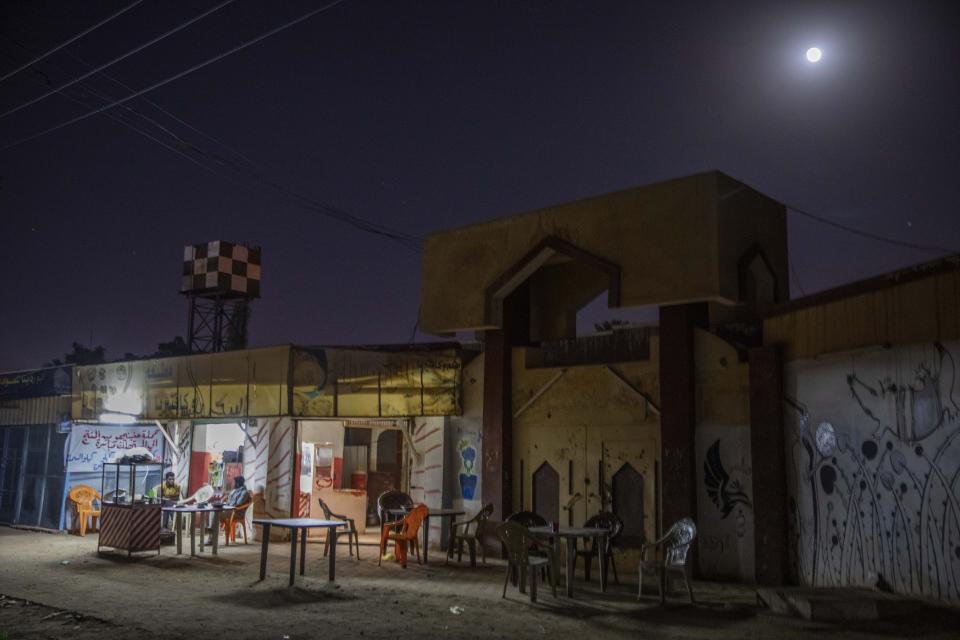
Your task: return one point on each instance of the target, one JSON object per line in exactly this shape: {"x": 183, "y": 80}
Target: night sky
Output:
{"x": 420, "y": 116}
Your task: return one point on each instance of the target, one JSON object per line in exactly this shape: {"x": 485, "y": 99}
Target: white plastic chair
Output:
{"x": 676, "y": 554}
{"x": 203, "y": 494}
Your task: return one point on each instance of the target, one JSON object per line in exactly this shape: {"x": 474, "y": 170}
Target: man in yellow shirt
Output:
{"x": 169, "y": 490}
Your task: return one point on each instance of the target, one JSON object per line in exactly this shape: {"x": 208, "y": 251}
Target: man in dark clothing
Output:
{"x": 235, "y": 498}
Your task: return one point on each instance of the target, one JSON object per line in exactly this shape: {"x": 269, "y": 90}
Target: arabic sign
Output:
{"x": 250, "y": 382}
{"x": 34, "y": 384}
{"x": 90, "y": 446}
{"x": 371, "y": 383}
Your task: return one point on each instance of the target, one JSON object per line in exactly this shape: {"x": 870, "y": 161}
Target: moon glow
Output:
{"x": 814, "y": 54}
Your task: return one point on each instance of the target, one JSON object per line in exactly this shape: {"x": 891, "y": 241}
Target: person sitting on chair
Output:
{"x": 235, "y": 498}
{"x": 169, "y": 493}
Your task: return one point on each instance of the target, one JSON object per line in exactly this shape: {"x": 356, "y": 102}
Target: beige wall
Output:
{"x": 748, "y": 218}
{"x": 587, "y": 415}
{"x": 920, "y": 310}
{"x": 666, "y": 238}
{"x": 724, "y": 470}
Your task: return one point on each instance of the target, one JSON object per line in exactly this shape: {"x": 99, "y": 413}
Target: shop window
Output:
{"x": 323, "y": 466}
{"x": 388, "y": 453}
{"x": 546, "y": 492}
{"x": 628, "y": 503}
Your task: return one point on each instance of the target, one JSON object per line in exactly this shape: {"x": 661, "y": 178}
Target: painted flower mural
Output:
{"x": 875, "y": 486}
{"x": 468, "y": 479}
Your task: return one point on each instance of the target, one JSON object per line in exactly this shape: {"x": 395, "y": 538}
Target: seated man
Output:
{"x": 235, "y": 498}
{"x": 169, "y": 492}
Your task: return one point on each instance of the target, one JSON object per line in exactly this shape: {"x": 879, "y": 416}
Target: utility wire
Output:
{"x": 176, "y": 76}
{"x": 873, "y": 236}
{"x": 796, "y": 278}
{"x": 416, "y": 326}
{"x": 235, "y": 173}
{"x": 70, "y": 40}
{"x": 119, "y": 58}
{"x": 156, "y": 106}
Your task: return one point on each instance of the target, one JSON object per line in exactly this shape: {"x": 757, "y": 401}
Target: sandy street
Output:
{"x": 55, "y": 585}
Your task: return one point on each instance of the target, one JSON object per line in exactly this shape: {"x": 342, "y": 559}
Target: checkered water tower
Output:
{"x": 219, "y": 279}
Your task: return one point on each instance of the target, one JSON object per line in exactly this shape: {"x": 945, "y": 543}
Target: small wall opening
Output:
{"x": 546, "y": 492}
{"x": 628, "y": 503}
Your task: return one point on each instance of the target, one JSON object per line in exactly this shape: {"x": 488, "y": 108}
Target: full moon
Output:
{"x": 814, "y": 54}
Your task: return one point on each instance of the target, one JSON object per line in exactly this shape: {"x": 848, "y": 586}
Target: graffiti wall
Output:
{"x": 873, "y": 445}
{"x": 724, "y": 470}
{"x": 724, "y": 505}
{"x": 462, "y": 464}
{"x": 464, "y": 458}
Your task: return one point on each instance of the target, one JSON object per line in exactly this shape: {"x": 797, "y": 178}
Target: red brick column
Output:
{"x": 678, "y": 478}
{"x": 768, "y": 459}
{"x": 496, "y": 481}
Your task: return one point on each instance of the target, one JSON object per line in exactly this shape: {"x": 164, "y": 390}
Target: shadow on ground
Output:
{"x": 273, "y": 598}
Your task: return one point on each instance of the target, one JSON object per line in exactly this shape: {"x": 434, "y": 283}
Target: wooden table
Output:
{"x": 301, "y": 525}
{"x": 570, "y": 534}
{"x": 193, "y": 511}
{"x": 439, "y": 513}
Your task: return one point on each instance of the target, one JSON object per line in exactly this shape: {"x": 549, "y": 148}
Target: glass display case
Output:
{"x": 130, "y": 511}
{"x": 131, "y": 482}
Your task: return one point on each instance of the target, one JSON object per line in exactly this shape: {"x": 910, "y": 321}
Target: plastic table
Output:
{"x": 570, "y": 534}
{"x": 193, "y": 510}
{"x": 301, "y": 525}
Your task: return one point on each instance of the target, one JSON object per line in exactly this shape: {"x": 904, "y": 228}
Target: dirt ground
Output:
{"x": 56, "y": 586}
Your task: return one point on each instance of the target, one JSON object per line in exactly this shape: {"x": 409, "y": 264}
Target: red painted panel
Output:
{"x": 338, "y": 473}
{"x": 199, "y": 470}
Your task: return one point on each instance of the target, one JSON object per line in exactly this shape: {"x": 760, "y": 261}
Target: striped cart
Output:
{"x": 130, "y": 527}
{"x": 130, "y": 512}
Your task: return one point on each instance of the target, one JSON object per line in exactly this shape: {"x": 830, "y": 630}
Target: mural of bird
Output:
{"x": 724, "y": 492}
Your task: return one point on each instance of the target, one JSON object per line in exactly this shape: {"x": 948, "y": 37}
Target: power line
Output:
{"x": 796, "y": 278}
{"x": 176, "y": 76}
{"x": 182, "y": 145}
{"x": 153, "y": 104}
{"x": 71, "y": 40}
{"x": 416, "y": 326}
{"x": 871, "y": 235}
{"x": 119, "y": 58}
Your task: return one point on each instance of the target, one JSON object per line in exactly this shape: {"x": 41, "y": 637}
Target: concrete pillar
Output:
{"x": 768, "y": 459}
{"x": 678, "y": 479}
{"x": 374, "y": 437}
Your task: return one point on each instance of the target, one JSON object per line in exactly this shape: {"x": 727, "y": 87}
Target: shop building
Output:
{"x": 299, "y": 423}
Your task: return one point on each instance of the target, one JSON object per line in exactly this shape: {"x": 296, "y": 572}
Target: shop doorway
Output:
{"x": 388, "y": 469}
{"x": 216, "y": 456}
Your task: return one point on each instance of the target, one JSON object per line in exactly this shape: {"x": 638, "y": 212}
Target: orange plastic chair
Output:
{"x": 83, "y": 496}
{"x": 238, "y": 516}
{"x": 403, "y": 533}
